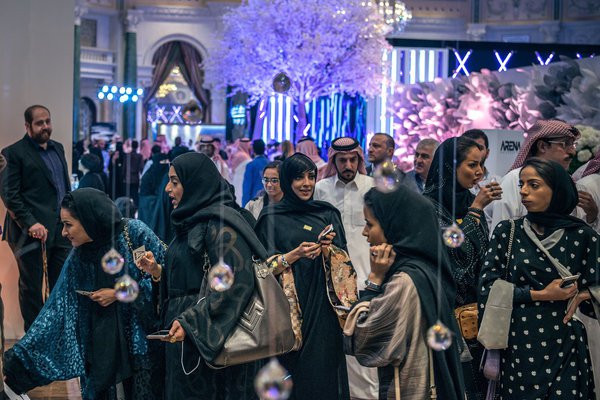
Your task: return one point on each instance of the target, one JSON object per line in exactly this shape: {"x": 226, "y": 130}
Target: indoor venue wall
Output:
{"x": 36, "y": 67}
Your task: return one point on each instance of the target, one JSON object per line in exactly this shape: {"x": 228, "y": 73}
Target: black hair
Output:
{"x": 68, "y": 203}
{"x": 178, "y": 141}
{"x": 134, "y": 145}
{"x": 258, "y": 146}
{"x": 28, "y": 114}
{"x": 91, "y": 162}
{"x": 368, "y": 200}
{"x": 156, "y": 149}
{"x": 126, "y": 206}
{"x": 273, "y": 165}
{"x": 543, "y": 168}
{"x": 298, "y": 166}
{"x": 389, "y": 141}
{"x": 463, "y": 146}
{"x": 475, "y": 134}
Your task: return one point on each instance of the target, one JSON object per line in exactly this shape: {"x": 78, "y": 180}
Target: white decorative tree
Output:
{"x": 323, "y": 46}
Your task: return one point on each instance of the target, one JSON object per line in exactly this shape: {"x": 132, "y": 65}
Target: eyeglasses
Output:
{"x": 274, "y": 181}
{"x": 565, "y": 144}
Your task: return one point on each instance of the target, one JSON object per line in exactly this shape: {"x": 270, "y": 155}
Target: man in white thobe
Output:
{"x": 344, "y": 185}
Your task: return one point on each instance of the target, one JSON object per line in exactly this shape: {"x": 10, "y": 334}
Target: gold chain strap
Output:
{"x": 46, "y": 289}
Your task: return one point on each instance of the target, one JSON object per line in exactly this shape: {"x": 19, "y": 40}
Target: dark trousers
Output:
{"x": 31, "y": 274}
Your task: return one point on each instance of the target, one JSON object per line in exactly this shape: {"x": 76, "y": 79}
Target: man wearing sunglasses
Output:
{"x": 552, "y": 140}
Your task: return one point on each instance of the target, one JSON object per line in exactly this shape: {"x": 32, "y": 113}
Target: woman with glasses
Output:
{"x": 272, "y": 193}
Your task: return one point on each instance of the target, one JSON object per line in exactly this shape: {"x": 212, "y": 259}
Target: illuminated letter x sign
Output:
{"x": 503, "y": 62}
{"x": 539, "y": 57}
{"x": 461, "y": 62}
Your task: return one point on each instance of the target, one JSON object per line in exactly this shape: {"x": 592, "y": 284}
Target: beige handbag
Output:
{"x": 264, "y": 329}
{"x": 495, "y": 325}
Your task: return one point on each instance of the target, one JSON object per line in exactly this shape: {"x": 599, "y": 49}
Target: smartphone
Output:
{"x": 162, "y": 334}
{"x": 569, "y": 281}
{"x": 84, "y": 292}
{"x": 343, "y": 308}
{"x": 328, "y": 229}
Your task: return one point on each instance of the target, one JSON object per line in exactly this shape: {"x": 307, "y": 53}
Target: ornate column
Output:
{"x": 476, "y": 32}
{"x": 132, "y": 19}
{"x": 79, "y": 12}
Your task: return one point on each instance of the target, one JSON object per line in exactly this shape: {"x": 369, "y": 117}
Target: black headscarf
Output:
{"x": 442, "y": 177}
{"x": 292, "y": 167}
{"x": 564, "y": 196}
{"x": 109, "y": 360}
{"x": 410, "y": 225}
{"x": 99, "y": 216}
{"x": 291, "y": 206}
{"x": 206, "y": 195}
{"x": 202, "y": 184}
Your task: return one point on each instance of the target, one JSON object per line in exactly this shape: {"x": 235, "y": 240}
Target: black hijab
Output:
{"x": 206, "y": 195}
{"x": 108, "y": 361}
{"x": 98, "y": 215}
{"x": 442, "y": 176}
{"x": 203, "y": 187}
{"x": 410, "y": 225}
{"x": 275, "y": 225}
{"x": 564, "y": 196}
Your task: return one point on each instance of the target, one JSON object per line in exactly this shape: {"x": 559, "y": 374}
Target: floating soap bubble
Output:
{"x": 387, "y": 177}
{"x": 273, "y": 382}
{"x": 126, "y": 289}
{"x": 281, "y": 83}
{"x": 439, "y": 337}
{"x": 112, "y": 262}
{"x": 220, "y": 276}
{"x": 453, "y": 236}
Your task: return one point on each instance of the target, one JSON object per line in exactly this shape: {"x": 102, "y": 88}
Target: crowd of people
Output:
{"x": 368, "y": 274}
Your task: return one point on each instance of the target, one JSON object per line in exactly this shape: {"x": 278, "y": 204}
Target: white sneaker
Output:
{"x": 12, "y": 395}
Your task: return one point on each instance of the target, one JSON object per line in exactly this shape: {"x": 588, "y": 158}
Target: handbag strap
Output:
{"x": 432, "y": 387}
{"x": 510, "y": 244}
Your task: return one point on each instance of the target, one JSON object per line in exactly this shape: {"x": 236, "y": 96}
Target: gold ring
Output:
{"x": 172, "y": 340}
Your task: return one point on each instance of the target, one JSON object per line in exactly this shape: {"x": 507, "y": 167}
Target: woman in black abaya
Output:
{"x": 290, "y": 229}
{"x": 456, "y": 168}
{"x": 206, "y": 231}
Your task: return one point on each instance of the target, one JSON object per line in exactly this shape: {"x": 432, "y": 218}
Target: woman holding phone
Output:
{"x": 547, "y": 354}
{"x": 83, "y": 331}
{"x": 198, "y": 318}
{"x": 290, "y": 230}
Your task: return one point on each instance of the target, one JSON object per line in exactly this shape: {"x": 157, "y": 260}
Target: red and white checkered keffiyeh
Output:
{"x": 544, "y": 129}
{"x": 344, "y": 145}
{"x": 593, "y": 166}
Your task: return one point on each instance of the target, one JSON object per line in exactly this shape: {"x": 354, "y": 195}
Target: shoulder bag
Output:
{"x": 264, "y": 328}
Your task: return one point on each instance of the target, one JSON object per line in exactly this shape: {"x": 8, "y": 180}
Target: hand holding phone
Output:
{"x": 162, "y": 334}
{"x": 569, "y": 281}
{"x": 328, "y": 229}
{"x": 84, "y": 292}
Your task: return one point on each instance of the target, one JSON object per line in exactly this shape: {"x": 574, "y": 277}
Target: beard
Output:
{"x": 41, "y": 137}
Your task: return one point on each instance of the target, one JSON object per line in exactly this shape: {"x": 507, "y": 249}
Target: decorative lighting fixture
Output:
{"x": 122, "y": 94}
{"x": 394, "y": 13}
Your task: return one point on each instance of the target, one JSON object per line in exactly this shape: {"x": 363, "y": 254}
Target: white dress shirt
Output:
{"x": 348, "y": 199}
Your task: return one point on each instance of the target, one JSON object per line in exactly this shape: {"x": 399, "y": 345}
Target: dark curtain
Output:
{"x": 194, "y": 75}
{"x": 188, "y": 60}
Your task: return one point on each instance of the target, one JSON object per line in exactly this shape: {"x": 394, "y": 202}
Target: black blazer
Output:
{"x": 28, "y": 191}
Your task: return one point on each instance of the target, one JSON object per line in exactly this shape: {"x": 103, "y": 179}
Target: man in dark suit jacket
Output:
{"x": 34, "y": 182}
